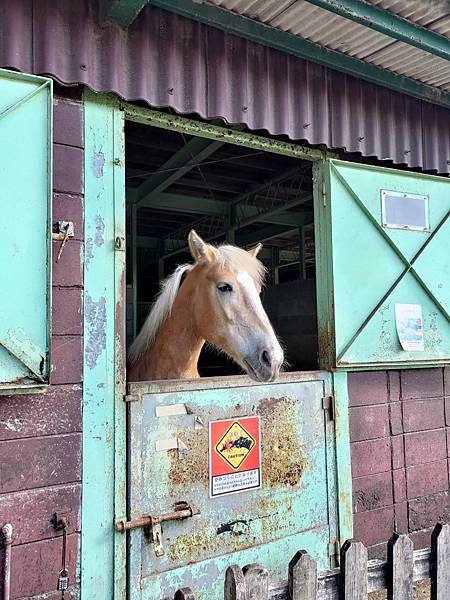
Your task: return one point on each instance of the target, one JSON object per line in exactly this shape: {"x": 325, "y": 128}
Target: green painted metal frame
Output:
{"x": 260, "y": 33}
{"x": 103, "y": 552}
{"x": 155, "y": 118}
{"x": 390, "y": 24}
{"x": 43, "y": 83}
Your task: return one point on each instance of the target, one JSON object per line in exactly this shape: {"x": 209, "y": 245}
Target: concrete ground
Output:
{"x": 421, "y": 592}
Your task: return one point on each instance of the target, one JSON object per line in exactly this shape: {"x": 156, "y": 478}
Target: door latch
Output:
{"x": 152, "y": 525}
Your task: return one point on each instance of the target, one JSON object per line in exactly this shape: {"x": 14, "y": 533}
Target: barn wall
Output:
{"x": 400, "y": 444}
{"x": 40, "y": 435}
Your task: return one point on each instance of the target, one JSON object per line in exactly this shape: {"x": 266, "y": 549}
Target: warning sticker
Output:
{"x": 234, "y": 455}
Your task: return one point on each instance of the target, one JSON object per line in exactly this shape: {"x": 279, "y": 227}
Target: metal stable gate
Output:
{"x": 180, "y": 535}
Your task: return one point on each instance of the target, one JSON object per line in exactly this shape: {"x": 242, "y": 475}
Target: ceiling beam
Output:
{"x": 270, "y": 232}
{"x": 122, "y": 12}
{"x": 180, "y": 163}
{"x": 179, "y": 203}
{"x": 387, "y": 22}
{"x": 297, "y": 46}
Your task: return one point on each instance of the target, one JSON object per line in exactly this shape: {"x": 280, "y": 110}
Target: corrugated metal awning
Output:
{"x": 170, "y": 61}
{"x": 338, "y": 33}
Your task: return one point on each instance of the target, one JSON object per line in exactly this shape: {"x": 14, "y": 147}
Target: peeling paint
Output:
{"x": 99, "y": 231}
{"x": 89, "y": 250}
{"x": 95, "y": 316}
{"x": 99, "y": 163}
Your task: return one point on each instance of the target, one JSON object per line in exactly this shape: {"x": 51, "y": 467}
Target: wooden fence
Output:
{"x": 355, "y": 577}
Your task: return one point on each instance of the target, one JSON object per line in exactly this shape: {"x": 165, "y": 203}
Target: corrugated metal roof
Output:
{"x": 332, "y": 31}
{"x": 169, "y": 61}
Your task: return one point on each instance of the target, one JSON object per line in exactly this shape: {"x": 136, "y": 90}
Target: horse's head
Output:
{"x": 228, "y": 310}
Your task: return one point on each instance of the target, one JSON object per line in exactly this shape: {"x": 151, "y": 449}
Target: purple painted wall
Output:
{"x": 400, "y": 444}
{"x": 40, "y": 435}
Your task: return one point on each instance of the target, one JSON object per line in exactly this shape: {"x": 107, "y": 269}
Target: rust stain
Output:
{"x": 283, "y": 458}
{"x": 190, "y": 546}
{"x": 193, "y": 466}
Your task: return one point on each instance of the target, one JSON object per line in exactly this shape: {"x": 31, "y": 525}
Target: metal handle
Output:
{"x": 149, "y": 521}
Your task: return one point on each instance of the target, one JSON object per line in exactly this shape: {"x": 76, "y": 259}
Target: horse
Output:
{"x": 215, "y": 300}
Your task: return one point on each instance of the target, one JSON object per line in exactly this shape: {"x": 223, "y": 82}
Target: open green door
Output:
{"x": 25, "y": 230}
{"x": 383, "y": 261}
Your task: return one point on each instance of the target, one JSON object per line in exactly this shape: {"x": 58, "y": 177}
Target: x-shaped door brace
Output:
{"x": 408, "y": 264}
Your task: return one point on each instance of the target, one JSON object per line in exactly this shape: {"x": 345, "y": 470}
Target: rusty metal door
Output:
{"x": 295, "y": 507}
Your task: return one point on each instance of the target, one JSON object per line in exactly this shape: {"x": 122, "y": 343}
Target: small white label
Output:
{"x": 235, "y": 482}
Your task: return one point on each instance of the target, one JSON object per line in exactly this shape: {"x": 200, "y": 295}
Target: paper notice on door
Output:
{"x": 408, "y": 318}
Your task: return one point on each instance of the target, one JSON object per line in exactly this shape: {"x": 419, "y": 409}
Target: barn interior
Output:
{"x": 227, "y": 193}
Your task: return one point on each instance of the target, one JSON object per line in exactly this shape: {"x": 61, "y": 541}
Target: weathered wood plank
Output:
{"x": 234, "y": 588}
{"x": 440, "y": 562}
{"x": 31, "y": 511}
{"x": 400, "y": 568}
{"x": 29, "y": 415}
{"x": 184, "y": 594}
{"x": 302, "y": 578}
{"x": 39, "y": 462}
{"x": 34, "y": 567}
{"x": 353, "y": 571}
{"x": 67, "y": 359}
{"x": 256, "y": 582}
{"x": 66, "y": 311}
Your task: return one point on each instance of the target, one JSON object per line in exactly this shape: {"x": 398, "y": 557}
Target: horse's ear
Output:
{"x": 255, "y": 250}
{"x": 200, "y": 250}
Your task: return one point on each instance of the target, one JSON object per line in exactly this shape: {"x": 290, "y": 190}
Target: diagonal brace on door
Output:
{"x": 408, "y": 264}
{"x": 24, "y": 100}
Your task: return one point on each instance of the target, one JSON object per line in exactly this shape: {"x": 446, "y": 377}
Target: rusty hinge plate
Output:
{"x": 328, "y": 406}
{"x": 132, "y": 398}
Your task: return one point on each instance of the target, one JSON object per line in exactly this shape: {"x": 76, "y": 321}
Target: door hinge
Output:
{"x": 328, "y": 407}
{"x": 131, "y": 397}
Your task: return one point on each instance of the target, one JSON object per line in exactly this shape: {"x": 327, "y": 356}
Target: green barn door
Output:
{"x": 25, "y": 227}
{"x": 383, "y": 260}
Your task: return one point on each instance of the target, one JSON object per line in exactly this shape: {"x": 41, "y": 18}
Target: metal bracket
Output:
{"x": 329, "y": 407}
{"x": 132, "y": 398}
{"x": 60, "y": 519}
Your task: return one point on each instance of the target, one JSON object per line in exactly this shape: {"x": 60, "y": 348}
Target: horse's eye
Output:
{"x": 224, "y": 287}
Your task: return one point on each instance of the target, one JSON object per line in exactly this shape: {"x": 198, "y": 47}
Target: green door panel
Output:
{"x": 296, "y": 507}
{"x": 372, "y": 268}
{"x": 25, "y": 227}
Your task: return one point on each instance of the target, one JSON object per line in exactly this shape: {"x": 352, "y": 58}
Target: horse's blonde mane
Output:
{"x": 231, "y": 257}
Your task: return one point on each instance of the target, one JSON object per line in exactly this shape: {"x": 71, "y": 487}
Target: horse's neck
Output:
{"x": 176, "y": 350}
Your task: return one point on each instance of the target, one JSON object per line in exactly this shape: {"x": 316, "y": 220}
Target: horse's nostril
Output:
{"x": 265, "y": 358}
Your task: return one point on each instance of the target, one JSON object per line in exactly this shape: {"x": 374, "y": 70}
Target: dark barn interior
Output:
{"x": 230, "y": 194}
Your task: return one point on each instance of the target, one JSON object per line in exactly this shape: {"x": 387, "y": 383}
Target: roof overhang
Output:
{"x": 370, "y": 16}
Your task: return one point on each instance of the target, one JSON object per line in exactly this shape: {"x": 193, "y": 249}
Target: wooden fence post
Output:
{"x": 353, "y": 584}
{"x": 184, "y": 594}
{"x": 400, "y": 567}
{"x": 256, "y": 582}
{"x": 234, "y": 588}
{"x": 302, "y": 578}
{"x": 440, "y": 562}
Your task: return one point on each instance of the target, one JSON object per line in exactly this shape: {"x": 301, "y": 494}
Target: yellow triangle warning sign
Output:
{"x": 235, "y": 445}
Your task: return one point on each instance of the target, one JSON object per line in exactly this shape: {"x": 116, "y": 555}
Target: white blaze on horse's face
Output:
{"x": 255, "y": 340}
{"x": 230, "y": 312}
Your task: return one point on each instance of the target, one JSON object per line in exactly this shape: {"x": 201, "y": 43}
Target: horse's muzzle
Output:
{"x": 264, "y": 367}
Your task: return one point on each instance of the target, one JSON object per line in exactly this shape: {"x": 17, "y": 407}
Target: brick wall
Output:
{"x": 400, "y": 446}
{"x": 40, "y": 435}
